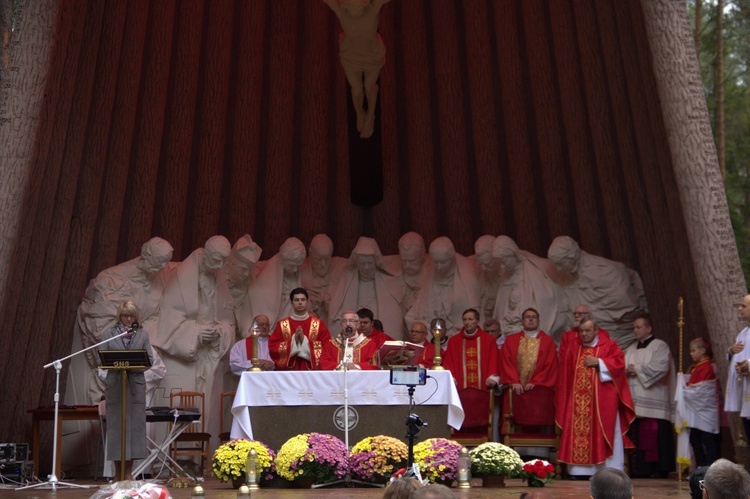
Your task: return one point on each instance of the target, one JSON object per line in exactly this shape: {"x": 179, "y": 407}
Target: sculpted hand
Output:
{"x": 517, "y": 388}
{"x": 591, "y": 362}
{"x": 736, "y": 348}
{"x": 208, "y": 335}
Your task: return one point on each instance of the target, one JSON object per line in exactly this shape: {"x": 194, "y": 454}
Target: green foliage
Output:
{"x": 736, "y": 51}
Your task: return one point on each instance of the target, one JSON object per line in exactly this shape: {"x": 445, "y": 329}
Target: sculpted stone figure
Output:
{"x": 362, "y": 55}
{"x": 449, "y": 288}
{"x": 608, "y": 287}
{"x": 525, "y": 284}
{"x": 140, "y": 280}
{"x": 365, "y": 283}
{"x": 197, "y": 326}
{"x": 269, "y": 292}
{"x": 410, "y": 264}
{"x": 240, "y": 272}
{"x": 319, "y": 273}
{"x": 489, "y": 277}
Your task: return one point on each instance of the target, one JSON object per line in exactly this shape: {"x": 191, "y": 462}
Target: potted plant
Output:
{"x": 375, "y": 459}
{"x": 437, "y": 458}
{"x": 538, "y": 472}
{"x": 493, "y": 459}
{"x": 312, "y": 458}
{"x": 230, "y": 460}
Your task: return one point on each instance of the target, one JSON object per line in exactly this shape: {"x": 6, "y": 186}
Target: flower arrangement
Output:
{"x": 437, "y": 458}
{"x": 538, "y": 472}
{"x": 493, "y": 458}
{"x": 230, "y": 459}
{"x": 376, "y": 458}
{"x": 321, "y": 457}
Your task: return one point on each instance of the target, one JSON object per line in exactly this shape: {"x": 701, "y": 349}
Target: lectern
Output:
{"x": 124, "y": 361}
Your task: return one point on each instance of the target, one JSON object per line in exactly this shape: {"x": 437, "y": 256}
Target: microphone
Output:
{"x": 348, "y": 330}
{"x": 134, "y": 327}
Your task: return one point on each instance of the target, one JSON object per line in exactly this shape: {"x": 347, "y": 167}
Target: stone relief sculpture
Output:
{"x": 489, "y": 276}
{"x": 448, "y": 289}
{"x": 525, "y": 283}
{"x": 269, "y": 292}
{"x": 197, "y": 326}
{"x": 410, "y": 264}
{"x": 613, "y": 292}
{"x": 319, "y": 273}
{"x": 240, "y": 272}
{"x": 362, "y": 55}
{"x": 141, "y": 280}
{"x": 366, "y": 283}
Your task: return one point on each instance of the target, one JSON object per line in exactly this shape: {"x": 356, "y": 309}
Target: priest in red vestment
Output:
{"x": 471, "y": 355}
{"x": 418, "y": 335}
{"x": 594, "y": 406}
{"x": 296, "y": 343}
{"x": 355, "y": 349}
{"x": 528, "y": 360}
{"x": 570, "y": 337}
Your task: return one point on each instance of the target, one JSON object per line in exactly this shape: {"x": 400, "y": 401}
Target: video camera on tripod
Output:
{"x": 411, "y": 377}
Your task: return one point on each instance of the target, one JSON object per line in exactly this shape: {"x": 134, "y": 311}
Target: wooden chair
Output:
{"x": 529, "y": 420}
{"x": 479, "y": 408}
{"x": 195, "y": 434}
{"x": 225, "y": 427}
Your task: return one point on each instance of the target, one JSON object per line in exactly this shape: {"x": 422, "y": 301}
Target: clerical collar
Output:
{"x": 262, "y": 338}
{"x": 644, "y": 343}
{"x": 471, "y": 335}
{"x": 300, "y": 317}
{"x": 531, "y": 334}
{"x": 593, "y": 342}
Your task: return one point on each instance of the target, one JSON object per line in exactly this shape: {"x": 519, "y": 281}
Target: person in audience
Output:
{"x": 726, "y": 480}
{"x": 402, "y": 488}
{"x": 594, "y": 407}
{"x": 611, "y": 483}
{"x": 433, "y": 491}
{"x": 296, "y": 343}
{"x": 241, "y": 354}
{"x": 350, "y": 347}
{"x": 652, "y": 381}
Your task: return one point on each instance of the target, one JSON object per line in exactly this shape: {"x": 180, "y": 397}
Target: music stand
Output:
{"x": 124, "y": 361}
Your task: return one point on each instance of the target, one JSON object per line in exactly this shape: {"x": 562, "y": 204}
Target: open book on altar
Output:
{"x": 399, "y": 353}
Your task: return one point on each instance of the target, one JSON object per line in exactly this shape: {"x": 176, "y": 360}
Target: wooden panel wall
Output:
{"x": 188, "y": 118}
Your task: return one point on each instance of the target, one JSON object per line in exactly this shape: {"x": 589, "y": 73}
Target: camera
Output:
{"x": 414, "y": 420}
{"x": 408, "y": 375}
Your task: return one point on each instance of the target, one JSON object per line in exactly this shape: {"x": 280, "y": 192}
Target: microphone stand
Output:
{"x": 52, "y": 478}
{"x": 343, "y": 366}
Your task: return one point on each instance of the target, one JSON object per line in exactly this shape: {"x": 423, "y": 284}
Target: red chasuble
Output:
{"x": 545, "y": 372}
{"x": 702, "y": 371}
{"x": 428, "y": 355}
{"x": 471, "y": 359}
{"x": 280, "y": 343}
{"x": 365, "y": 354}
{"x": 378, "y": 337}
{"x": 587, "y": 408}
{"x": 571, "y": 338}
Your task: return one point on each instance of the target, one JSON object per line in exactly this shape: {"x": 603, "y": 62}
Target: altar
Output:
{"x": 274, "y": 406}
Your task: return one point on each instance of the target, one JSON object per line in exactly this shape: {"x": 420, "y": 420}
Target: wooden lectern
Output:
{"x": 124, "y": 361}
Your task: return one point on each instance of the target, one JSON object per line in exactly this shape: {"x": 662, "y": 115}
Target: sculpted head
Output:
{"x": 367, "y": 257}
{"x": 292, "y": 254}
{"x": 412, "y": 252}
{"x": 505, "y": 251}
{"x": 155, "y": 255}
{"x": 443, "y": 256}
{"x": 242, "y": 259}
{"x": 581, "y": 312}
{"x": 354, "y": 8}
{"x": 321, "y": 251}
{"x": 217, "y": 250}
{"x": 483, "y": 251}
{"x": 565, "y": 254}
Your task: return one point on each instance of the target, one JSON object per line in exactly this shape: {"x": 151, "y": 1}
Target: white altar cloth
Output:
{"x": 300, "y": 388}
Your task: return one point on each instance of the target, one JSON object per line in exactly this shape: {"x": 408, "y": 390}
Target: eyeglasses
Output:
{"x": 417, "y": 331}
{"x": 702, "y": 484}
{"x": 349, "y": 321}
{"x": 530, "y": 316}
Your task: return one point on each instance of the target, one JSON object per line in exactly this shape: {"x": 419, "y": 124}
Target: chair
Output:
{"x": 224, "y": 428}
{"x": 479, "y": 408}
{"x": 529, "y": 420}
{"x": 195, "y": 434}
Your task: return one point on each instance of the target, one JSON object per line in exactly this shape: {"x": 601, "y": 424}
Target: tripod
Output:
{"x": 52, "y": 478}
{"x": 413, "y": 425}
